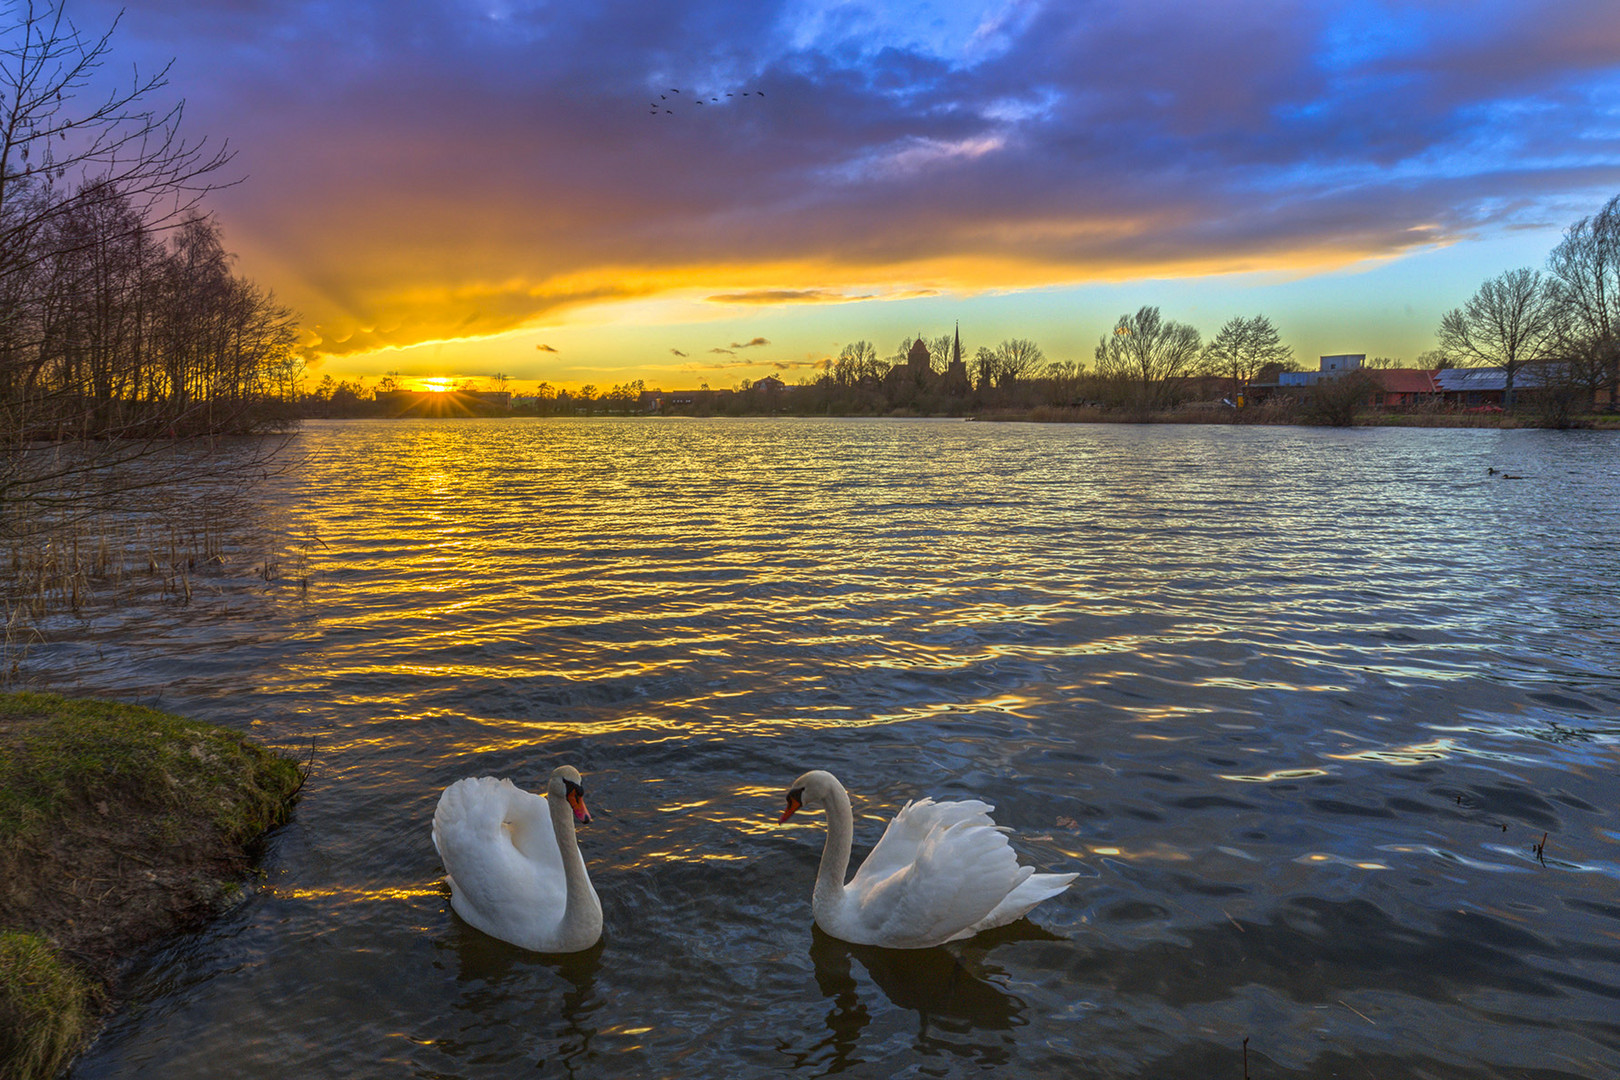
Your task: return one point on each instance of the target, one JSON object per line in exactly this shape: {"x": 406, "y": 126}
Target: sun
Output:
{"x": 438, "y": 385}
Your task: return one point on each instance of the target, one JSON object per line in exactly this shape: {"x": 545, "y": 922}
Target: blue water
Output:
{"x": 1294, "y": 703}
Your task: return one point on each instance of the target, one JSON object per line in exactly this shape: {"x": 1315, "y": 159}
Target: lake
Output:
{"x": 1296, "y": 704}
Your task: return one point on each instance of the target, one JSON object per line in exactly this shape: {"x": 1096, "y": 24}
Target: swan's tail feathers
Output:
{"x": 1031, "y": 891}
{"x": 959, "y": 873}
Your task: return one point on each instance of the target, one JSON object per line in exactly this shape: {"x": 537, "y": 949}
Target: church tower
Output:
{"x": 956, "y": 376}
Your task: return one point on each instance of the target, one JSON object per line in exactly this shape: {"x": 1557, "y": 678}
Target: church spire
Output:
{"x": 956, "y": 350}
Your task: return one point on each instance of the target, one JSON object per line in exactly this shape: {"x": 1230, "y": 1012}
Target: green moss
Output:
{"x": 46, "y": 1008}
{"x": 159, "y": 807}
{"x": 68, "y": 756}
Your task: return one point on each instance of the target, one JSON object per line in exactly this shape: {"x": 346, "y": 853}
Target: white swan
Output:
{"x": 513, "y": 862}
{"x": 941, "y": 872}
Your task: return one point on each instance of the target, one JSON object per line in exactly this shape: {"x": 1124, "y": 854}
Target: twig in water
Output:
{"x": 1245, "y": 1057}
{"x": 1541, "y": 849}
{"x": 1357, "y": 1011}
{"x": 304, "y": 772}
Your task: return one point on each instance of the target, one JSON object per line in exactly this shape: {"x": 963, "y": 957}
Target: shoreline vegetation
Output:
{"x": 736, "y": 404}
{"x": 119, "y": 826}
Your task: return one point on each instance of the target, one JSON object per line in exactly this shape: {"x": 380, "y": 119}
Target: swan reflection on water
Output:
{"x": 952, "y": 994}
{"x": 494, "y": 978}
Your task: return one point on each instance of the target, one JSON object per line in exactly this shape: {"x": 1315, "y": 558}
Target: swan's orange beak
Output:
{"x": 793, "y": 804}
{"x": 577, "y": 801}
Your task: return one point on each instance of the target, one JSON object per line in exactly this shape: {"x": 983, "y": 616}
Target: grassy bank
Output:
{"x": 118, "y": 825}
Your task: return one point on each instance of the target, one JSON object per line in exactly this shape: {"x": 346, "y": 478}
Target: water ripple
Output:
{"x": 1298, "y": 706}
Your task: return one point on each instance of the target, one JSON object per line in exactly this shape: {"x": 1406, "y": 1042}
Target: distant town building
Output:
{"x": 1402, "y": 386}
{"x": 684, "y": 401}
{"x": 1327, "y": 367}
{"x": 1486, "y": 385}
{"x": 956, "y": 374}
{"x": 918, "y": 369}
{"x": 918, "y": 356}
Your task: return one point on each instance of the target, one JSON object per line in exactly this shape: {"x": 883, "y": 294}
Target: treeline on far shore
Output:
{"x": 1550, "y": 337}
{"x": 1148, "y": 369}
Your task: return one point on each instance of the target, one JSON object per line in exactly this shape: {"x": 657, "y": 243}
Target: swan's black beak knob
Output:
{"x": 794, "y": 801}
{"x": 576, "y": 799}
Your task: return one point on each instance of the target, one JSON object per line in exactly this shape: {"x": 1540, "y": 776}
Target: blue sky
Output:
{"x": 460, "y": 188}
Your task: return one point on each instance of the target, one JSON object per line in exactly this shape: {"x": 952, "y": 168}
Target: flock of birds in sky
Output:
{"x": 664, "y": 106}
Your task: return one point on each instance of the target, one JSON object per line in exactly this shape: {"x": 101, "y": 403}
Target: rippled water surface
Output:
{"x": 1294, "y": 703}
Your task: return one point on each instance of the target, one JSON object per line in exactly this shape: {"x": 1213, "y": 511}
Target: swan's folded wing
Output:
{"x": 905, "y": 834}
{"x": 960, "y": 873}
{"x": 499, "y": 849}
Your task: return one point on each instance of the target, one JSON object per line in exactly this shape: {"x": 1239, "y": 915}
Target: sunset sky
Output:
{"x": 447, "y": 188}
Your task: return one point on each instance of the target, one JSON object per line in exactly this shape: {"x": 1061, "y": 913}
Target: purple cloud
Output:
{"x": 414, "y": 174}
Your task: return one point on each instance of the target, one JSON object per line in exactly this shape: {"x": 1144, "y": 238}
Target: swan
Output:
{"x": 513, "y": 863}
{"x": 941, "y": 872}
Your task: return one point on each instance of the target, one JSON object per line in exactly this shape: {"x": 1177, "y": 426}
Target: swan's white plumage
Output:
{"x": 514, "y": 866}
{"x": 941, "y": 872}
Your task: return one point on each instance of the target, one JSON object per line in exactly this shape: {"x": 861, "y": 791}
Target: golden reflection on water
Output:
{"x": 1152, "y": 853}
{"x": 1270, "y": 777}
{"x": 992, "y": 609}
{"x": 716, "y": 721}
{"x": 1339, "y": 860}
{"x": 351, "y": 894}
{"x": 1415, "y": 754}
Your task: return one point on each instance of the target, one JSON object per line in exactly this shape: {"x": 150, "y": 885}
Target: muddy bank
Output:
{"x": 119, "y": 825}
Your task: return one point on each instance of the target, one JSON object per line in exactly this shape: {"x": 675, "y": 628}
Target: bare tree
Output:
{"x": 1017, "y": 358}
{"x": 1508, "y": 323}
{"x": 54, "y": 160}
{"x": 1148, "y": 354}
{"x": 1585, "y": 281}
{"x": 121, "y": 325}
{"x": 1063, "y": 378}
{"x": 986, "y": 365}
{"x": 1242, "y": 347}
{"x": 1334, "y": 402}
{"x": 857, "y": 360}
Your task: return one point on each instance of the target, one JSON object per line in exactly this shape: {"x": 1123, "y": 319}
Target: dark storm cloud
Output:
{"x": 430, "y": 170}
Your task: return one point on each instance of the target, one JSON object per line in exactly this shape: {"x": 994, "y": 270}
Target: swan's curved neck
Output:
{"x": 835, "y": 856}
{"x": 581, "y": 908}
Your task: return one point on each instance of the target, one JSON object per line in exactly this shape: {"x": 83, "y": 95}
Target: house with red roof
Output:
{"x": 1397, "y": 387}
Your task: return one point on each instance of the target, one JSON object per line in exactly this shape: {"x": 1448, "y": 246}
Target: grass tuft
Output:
{"x": 118, "y": 825}
{"x": 46, "y": 1007}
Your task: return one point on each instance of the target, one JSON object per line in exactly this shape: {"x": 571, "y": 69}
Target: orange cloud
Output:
{"x": 785, "y": 296}
{"x": 439, "y": 186}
